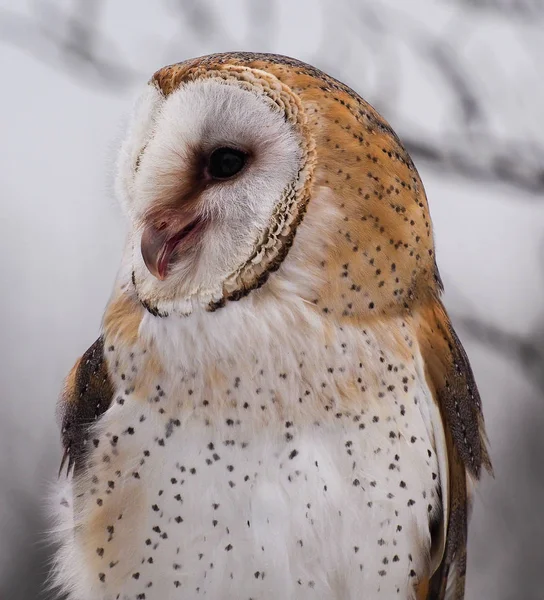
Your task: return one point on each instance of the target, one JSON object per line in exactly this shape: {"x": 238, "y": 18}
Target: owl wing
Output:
{"x": 87, "y": 394}
{"x": 452, "y": 384}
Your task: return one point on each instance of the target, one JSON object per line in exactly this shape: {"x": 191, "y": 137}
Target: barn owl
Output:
{"x": 277, "y": 405}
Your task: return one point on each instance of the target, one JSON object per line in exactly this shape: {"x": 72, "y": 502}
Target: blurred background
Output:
{"x": 461, "y": 81}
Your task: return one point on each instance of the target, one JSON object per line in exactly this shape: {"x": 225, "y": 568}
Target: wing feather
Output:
{"x": 87, "y": 394}
{"x": 452, "y": 383}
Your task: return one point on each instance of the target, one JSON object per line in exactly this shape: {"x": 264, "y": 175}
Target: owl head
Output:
{"x": 224, "y": 156}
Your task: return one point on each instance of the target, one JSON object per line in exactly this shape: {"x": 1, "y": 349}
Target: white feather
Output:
{"x": 204, "y": 115}
{"x": 340, "y": 492}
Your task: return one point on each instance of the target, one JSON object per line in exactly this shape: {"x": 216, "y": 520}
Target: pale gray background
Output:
{"x": 463, "y": 84}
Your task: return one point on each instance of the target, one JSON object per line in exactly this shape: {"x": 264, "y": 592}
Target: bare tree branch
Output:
{"x": 513, "y": 8}
{"x": 487, "y": 160}
{"x": 77, "y": 52}
{"x": 74, "y": 40}
{"x": 526, "y": 351}
{"x": 201, "y": 18}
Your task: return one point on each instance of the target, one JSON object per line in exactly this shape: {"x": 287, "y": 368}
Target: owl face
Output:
{"x": 203, "y": 174}
{"x": 226, "y": 154}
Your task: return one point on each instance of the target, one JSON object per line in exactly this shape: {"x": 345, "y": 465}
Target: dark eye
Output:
{"x": 226, "y": 162}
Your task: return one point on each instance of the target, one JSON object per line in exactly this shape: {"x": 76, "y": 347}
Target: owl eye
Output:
{"x": 226, "y": 162}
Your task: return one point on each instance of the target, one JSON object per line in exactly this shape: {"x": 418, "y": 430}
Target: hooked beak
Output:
{"x": 160, "y": 247}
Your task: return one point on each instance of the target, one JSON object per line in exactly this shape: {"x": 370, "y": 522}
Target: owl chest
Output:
{"x": 295, "y": 488}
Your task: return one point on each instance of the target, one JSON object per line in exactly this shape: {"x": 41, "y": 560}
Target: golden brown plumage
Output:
{"x": 374, "y": 266}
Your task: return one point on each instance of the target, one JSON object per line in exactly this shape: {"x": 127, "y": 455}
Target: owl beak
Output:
{"x": 158, "y": 246}
{"x": 156, "y": 251}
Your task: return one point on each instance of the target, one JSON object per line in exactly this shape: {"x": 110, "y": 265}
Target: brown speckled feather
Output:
{"x": 451, "y": 379}
{"x": 87, "y": 395}
{"x": 386, "y": 237}
{"x": 456, "y": 392}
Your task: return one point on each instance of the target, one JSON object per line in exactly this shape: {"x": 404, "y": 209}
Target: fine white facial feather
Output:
{"x": 199, "y": 117}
